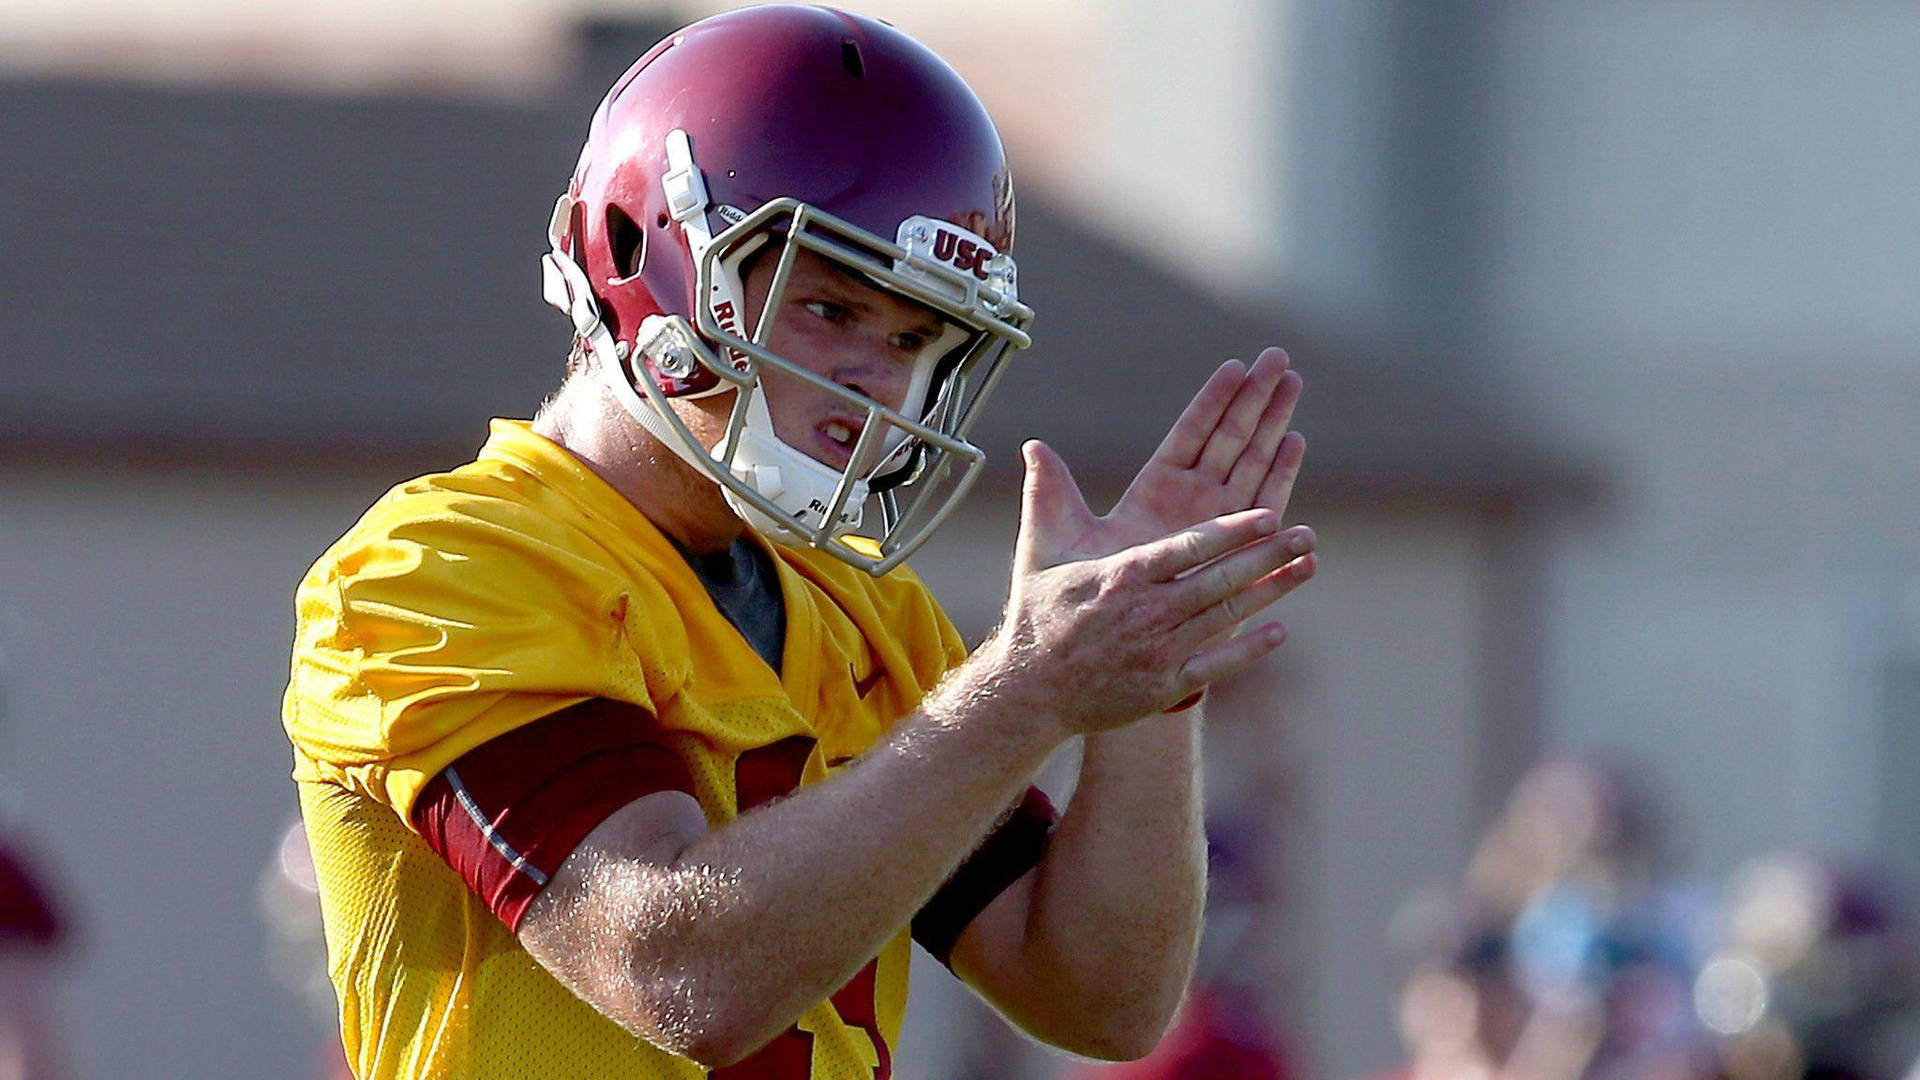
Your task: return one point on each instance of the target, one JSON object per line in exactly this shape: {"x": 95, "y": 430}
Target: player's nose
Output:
{"x": 875, "y": 370}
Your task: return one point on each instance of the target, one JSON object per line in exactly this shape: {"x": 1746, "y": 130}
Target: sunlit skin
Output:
{"x": 726, "y": 934}
{"x": 840, "y": 328}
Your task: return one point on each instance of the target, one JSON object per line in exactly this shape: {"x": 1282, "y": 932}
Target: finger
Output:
{"x": 1257, "y": 459}
{"x": 1277, "y": 488}
{"x": 1051, "y": 507}
{"x": 1242, "y": 418}
{"x": 1181, "y": 447}
{"x": 1233, "y": 655}
{"x": 1242, "y": 604}
{"x": 1170, "y": 556}
{"x": 1226, "y": 577}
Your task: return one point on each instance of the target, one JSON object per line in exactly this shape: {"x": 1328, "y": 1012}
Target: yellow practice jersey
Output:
{"x": 466, "y": 606}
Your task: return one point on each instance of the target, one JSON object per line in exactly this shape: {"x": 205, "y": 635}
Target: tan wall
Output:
{"x": 1383, "y": 730}
{"x": 146, "y": 625}
{"x": 1727, "y": 322}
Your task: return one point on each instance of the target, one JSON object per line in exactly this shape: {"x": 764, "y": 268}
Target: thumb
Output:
{"x": 1052, "y": 509}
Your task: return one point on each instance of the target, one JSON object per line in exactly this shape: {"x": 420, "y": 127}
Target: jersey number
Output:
{"x": 761, "y": 775}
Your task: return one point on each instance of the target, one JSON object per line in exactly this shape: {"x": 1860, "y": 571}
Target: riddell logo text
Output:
{"x": 723, "y": 313}
{"x": 962, "y": 254}
{"x": 815, "y": 506}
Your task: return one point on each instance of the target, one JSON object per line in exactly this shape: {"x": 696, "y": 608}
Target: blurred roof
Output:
{"x": 272, "y": 279}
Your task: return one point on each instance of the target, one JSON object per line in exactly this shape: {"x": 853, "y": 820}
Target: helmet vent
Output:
{"x": 850, "y": 59}
{"x": 626, "y": 242}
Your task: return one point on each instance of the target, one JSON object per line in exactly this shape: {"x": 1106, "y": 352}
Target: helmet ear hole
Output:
{"x": 626, "y": 243}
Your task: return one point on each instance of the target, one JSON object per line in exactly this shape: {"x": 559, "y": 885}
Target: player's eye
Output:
{"x": 826, "y": 310}
{"x": 908, "y": 341}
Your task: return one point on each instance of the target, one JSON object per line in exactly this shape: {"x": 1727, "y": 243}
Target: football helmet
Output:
{"x": 762, "y": 133}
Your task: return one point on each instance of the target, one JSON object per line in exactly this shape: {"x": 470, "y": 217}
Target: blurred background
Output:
{"x": 1593, "y": 750}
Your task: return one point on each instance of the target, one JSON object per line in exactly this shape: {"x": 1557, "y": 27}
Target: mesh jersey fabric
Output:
{"x": 468, "y": 604}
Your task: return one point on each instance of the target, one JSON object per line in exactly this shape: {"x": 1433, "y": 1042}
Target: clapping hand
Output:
{"x": 1193, "y": 547}
{"x": 1229, "y": 450}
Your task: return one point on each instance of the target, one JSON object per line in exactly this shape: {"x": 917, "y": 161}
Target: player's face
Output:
{"x": 835, "y": 325}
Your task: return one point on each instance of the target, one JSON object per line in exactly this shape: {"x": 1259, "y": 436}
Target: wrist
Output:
{"x": 991, "y": 693}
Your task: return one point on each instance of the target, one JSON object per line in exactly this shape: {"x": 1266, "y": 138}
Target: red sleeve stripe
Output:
{"x": 1011, "y": 850}
{"x": 510, "y": 811}
{"x": 516, "y": 861}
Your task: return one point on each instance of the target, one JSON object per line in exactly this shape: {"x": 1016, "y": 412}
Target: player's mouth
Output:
{"x": 835, "y": 438}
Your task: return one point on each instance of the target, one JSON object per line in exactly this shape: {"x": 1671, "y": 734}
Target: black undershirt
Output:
{"x": 746, "y": 588}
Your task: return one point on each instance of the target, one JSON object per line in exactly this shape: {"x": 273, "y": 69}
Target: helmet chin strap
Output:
{"x": 564, "y": 286}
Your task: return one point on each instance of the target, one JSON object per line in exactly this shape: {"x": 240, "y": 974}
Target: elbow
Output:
{"x": 1103, "y": 1034}
{"x": 711, "y": 1029}
{"x": 1115, "y": 1042}
{"x": 727, "y": 1044}
{"x": 1115, "y": 1027}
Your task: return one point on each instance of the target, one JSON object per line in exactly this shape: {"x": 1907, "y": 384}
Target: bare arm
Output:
{"x": 1094, "y": 949}
{"x": 710, "y": 942}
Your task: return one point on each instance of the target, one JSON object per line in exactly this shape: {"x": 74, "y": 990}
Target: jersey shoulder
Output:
{"x": 465, "y": 604}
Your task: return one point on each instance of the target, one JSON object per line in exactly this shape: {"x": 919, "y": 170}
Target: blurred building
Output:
{"x": 1606, "y": 315}
{"x": 246, "y": 312}
{"x": 1678, "y": 240}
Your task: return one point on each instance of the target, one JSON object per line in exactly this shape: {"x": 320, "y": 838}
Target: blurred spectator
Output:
{"x": 33, "y": 936}
{"x": 1816, "y": 978}
{"x": 296, "y": 950}
{"x": 1566, "y": 952}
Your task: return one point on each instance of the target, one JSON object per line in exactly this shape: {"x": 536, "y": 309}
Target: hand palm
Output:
{"x": 1230, "y": 450}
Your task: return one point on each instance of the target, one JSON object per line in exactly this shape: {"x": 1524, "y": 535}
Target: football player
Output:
{"x": 632, "y": 748}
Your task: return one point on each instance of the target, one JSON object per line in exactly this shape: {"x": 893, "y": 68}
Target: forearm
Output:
{"x": 709, "y": 942}
{"x": 754, "y": 922}
{"x": 1118, "y": 904}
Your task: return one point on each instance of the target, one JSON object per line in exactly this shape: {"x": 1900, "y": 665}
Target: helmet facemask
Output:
{"x": 913, "y": 463}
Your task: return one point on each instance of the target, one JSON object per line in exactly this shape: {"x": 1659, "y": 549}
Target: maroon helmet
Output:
{"x": 760, "y": 133}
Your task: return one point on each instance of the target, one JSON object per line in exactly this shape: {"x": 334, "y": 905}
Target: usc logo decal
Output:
{"x": 964, "y": 255}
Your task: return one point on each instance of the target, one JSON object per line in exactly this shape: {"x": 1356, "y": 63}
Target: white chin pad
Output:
{"x": 802, "y": 487}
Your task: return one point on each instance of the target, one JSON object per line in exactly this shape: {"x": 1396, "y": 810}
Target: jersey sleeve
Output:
{"x": 507, "y": 813}
{"x": 1011, "y": 850}
{"x": 449, "y": 620}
